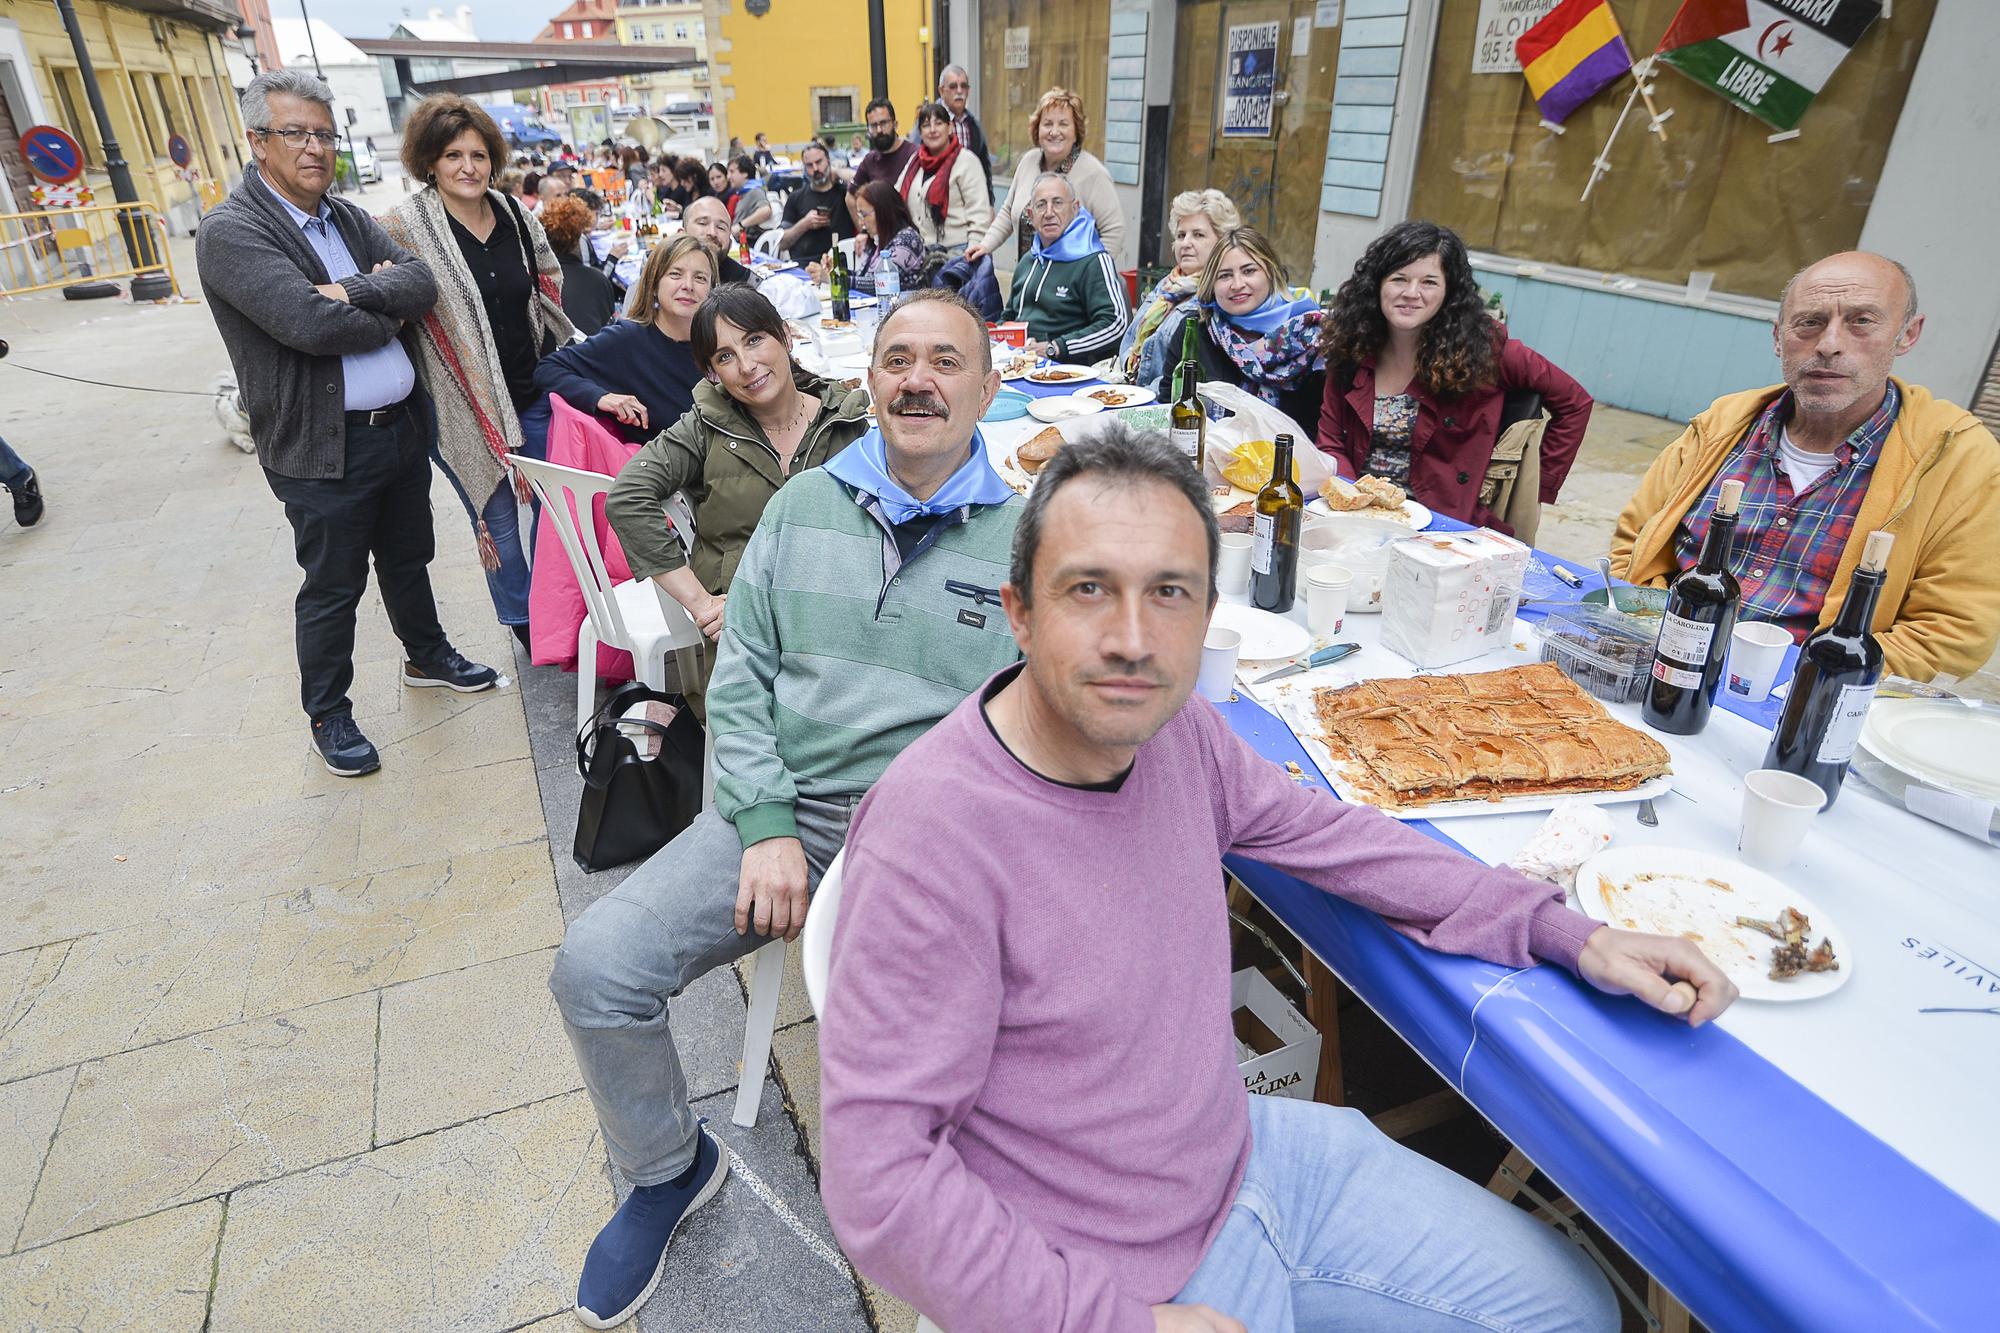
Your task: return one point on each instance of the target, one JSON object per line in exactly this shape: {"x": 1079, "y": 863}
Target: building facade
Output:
{"x": 360, "y": 107}
{"x": 667, "y": 23}
{"x": 772, "y": 76}
{"x": 162, "y": 74}
{"x": 583, "y": 23}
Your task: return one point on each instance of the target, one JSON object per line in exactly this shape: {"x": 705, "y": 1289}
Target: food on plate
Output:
{"x": 1056, "y": 375}
{"x": 1790, "y": 957}
{"x": 831, "y": 323}
{"x": 1018, "y": 366}
{"x": 1238, "y": 518}
{"x": 1346, "y": 497}
{"x": 1114, "y": 396}
{"x": 1038, "y": 449}
{"x": 1521, "y": 731}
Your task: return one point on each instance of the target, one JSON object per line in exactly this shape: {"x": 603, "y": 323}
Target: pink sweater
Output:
{"x": 1032, "y": 1112}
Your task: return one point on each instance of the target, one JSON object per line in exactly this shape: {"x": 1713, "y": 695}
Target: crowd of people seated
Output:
{"x": 1006, "y": 664}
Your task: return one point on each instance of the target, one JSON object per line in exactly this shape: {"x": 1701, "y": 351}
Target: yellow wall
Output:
{"x": 635, "y": 28}
{"x": 122, "y": 44}
{"x": 766, "y": 68}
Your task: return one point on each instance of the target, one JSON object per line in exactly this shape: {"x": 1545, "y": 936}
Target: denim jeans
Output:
{"x": 508, "y": 584}
{"x": 634, "y": 950}
{"x": 13, "y": 470}
{"x": 1337, "y": 1226}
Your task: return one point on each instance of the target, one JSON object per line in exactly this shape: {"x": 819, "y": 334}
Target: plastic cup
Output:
{"x": 1326, "y": 598}
{"x": 1219, "y": 651}
{"x": 1756, "y": 651}
{"x": 1232, "y": 571}
{"x": 1778, "y": 808}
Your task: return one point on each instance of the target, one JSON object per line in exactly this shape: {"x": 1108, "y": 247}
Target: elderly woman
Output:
{"x": 588, "y": 297}
{"x": 757, "y": 421}
{"x": 885, "y": 235}
{"x": 1254, "y": 331}
{"x": 1057, "y": 127}
{"x": 1196, "y": 219}
{"x": 944, "y": 185}
{"x": 499, "y": 309}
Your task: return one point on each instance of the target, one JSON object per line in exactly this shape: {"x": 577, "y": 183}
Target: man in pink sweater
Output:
{"x": 1033, "y": 1118}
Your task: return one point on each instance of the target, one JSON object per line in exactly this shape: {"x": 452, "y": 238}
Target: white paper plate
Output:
{"x": 1062, "y": 374}
{"x": 1130, "y": 395}
{"x": 1939, "y": 742}
{"x": 1062, "y": 409}
{"x": 1684, "y": 898}
{"x": 1414, "y": 514}
{"x": 1266, "y": 638}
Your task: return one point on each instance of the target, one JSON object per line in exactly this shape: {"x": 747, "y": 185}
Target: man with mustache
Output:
{"x": 1839, "y": 450}
{"x": 888, "y": 151}
{"x": 1033, "y": 1117}
{"x": 816, "y": 213}
{"x": 865, "y": 607}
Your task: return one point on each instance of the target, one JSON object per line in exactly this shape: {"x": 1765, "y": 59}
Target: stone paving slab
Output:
{"x": 29, "y": 1112}
{"x": 150, "y": 1276}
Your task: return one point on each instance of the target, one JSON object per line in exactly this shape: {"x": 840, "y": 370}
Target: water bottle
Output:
{"x": 888, "y": 286}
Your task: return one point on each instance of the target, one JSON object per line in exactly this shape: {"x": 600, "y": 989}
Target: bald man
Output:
{"x": 708, "y": 219}
{"x": 1839, "y": 450}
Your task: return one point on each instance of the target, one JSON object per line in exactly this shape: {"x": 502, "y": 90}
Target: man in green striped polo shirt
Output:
{"x": 865, "y": 608}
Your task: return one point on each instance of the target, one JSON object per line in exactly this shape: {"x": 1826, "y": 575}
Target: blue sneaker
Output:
{"x": 628, "y": 1256}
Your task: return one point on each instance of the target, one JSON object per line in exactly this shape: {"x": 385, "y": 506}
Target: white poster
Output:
{"x": 1302, "y": 35}
{"x": 1250, "y": 81}
{"x": 1500, "y": 23}
{"x": 1014, "y": 53}
{"x": 1326, "y": 14}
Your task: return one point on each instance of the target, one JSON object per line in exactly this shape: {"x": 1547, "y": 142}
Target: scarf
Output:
{"x": 1078, "y": 241}
{"x": 1167, "y": 296}
{"x": 864, "y": 465}
{"x": 1275, "y": 345}
{"x": 477, "y": 425}
{"x": 938, "y": 168}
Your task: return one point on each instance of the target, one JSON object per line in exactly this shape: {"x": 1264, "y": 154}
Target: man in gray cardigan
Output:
{"x": 313, "y": 302}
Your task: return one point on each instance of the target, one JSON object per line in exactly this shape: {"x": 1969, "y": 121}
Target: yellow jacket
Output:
{"x": 1936, "y": 486}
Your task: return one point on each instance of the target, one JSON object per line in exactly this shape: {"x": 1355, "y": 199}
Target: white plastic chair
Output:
{"x": 767, "y": 244}
{"x": 767, "y": 983}
{"x": 816, "y": 940}
{"x": 634, "y": 615}
{"x": 846, "y": 245}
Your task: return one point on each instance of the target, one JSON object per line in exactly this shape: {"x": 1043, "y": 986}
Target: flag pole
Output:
{"x": 1603, "y": 162}
{"x": 1640, "y": 73}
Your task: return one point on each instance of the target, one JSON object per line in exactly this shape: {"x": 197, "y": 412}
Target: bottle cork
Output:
{"x": 1875, "y": 551}
{"x": 1731, "y": 498}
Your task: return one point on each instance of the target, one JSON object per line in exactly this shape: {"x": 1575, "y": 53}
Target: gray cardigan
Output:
{"x": 285, "y": 340}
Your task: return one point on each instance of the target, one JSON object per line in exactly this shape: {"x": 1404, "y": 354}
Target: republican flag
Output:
{"x": 1570, "y": 55}
{"x": 1769, "y": 57}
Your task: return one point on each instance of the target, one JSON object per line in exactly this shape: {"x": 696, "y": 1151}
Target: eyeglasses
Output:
{"x": 296, "y": 139}
{"x": 1047, "y": 205}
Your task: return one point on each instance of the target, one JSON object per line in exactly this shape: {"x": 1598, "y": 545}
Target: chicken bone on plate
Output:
{"x": 1059, "y": 374}
{"x": 1117, "y": 395}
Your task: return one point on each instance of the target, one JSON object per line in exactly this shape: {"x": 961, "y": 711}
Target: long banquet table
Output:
{"x": 1827, "y": 1165}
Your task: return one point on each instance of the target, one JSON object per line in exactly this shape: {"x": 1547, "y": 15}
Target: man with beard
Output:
{"x": 708, "y": 219}
{"x": 816, "y": 213}
{"x": 885, "y": 565}
{"x": 1033, "y": 1117}
{"x": 888, "y": 151}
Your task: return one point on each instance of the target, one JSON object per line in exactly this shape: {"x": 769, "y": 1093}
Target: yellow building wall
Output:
{"x": 767, "y": 69}
{"x": 151, "y": 90}
{"x": 635, "y": 28}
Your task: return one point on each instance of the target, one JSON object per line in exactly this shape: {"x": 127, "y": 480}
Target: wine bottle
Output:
{"x": 1274, "y": 553}
{"x": 836, "y": 277}
{"x": 1835, "y": 682}
{"x": 1694, "y": 632}
{"x": 1188, "y": 423}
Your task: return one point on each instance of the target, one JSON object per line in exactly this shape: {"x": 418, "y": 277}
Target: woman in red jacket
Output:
{"x": 1416, "y": 371}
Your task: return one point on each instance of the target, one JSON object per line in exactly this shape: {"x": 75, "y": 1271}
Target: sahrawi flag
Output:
{"x": 1770, "y": 57}
{"x": 1570, "y": 54}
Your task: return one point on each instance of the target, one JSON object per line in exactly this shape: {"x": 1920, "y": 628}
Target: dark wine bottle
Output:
{"x": 1694, "y": 631}
{"x": 837, "y": 280}
{"x": 1188, "y": 422}
{"x": 1835, "y": 682}
{"x": 1274, "y": 553}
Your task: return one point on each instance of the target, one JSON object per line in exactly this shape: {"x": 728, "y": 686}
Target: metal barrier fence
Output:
{"x": 62, "y": 247}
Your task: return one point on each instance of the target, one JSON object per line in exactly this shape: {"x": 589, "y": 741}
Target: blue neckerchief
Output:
{"x": 1277, "y": 309}
{"x": 1078, "y": 241}
{"x": 864, "y": 466}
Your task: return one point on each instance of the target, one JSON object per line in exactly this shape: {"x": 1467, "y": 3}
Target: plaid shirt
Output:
{"x": 1788, "y": 546}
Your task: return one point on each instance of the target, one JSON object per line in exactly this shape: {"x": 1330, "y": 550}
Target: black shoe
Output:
{"x": 452, "y": 672}
{"x": 521, "y": 633}
{"x": 28, "y": 504}
{"x": 346, "y": 751}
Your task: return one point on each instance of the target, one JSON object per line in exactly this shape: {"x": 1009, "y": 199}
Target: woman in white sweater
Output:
{"x": 1057, "y": 129}
{"x": 944, "y": 185}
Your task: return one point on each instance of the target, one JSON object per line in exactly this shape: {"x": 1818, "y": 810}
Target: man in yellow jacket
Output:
{"x": 1839, "y": 450}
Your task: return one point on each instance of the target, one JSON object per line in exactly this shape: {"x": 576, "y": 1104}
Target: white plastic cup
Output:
{"x": 1756, "y": 651}
{"x": 1219, "y": 651}
{"x": 1232, "y": 570}
{"x": 1778, "y": 808}
{"x": 1326, "y": 599}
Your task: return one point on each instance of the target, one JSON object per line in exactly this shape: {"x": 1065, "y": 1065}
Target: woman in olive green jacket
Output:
{"x": 758, "y": 420}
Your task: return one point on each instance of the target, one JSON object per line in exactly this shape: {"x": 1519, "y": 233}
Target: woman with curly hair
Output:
{"x": 1416, "y": 371}
{"x": 588, "y": 297}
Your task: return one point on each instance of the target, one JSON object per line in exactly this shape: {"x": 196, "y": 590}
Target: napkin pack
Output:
{"x": 1451, "y": 596}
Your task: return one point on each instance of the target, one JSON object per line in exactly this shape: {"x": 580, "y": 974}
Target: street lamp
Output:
{"x": 246, "y": 40}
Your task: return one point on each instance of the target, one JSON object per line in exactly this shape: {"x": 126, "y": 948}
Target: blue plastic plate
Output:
{"x": 1007, "y": 405}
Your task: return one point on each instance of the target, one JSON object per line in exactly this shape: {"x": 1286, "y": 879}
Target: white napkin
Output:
{"x": 1571, "y": 835}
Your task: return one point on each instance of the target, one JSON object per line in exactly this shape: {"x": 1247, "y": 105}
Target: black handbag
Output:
{"x": 632, "y": 805}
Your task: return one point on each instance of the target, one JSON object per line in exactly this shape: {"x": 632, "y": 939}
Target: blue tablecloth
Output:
{"x": 1756, "y": 1203}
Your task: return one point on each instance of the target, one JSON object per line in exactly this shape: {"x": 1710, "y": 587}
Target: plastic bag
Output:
{"x": 1251, "y": 418}
{"x": 794, "y": 299}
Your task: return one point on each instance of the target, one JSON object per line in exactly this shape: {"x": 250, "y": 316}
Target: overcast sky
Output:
{"x": 494, "y": 20}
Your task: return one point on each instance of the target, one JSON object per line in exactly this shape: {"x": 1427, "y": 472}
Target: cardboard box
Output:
{"x": 1450, "y": 596}
{"x": 1292, "y": 1068}
{"x": 1014, "y": 333}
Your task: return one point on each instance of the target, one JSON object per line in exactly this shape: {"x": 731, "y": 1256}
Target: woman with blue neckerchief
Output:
{"x": 1255, "y": 331}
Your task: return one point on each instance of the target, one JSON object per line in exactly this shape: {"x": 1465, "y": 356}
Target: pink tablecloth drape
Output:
{"x": 555, "y": 600}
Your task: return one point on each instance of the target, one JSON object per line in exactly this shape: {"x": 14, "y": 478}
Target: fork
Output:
{"x": 1647, "y": 815}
